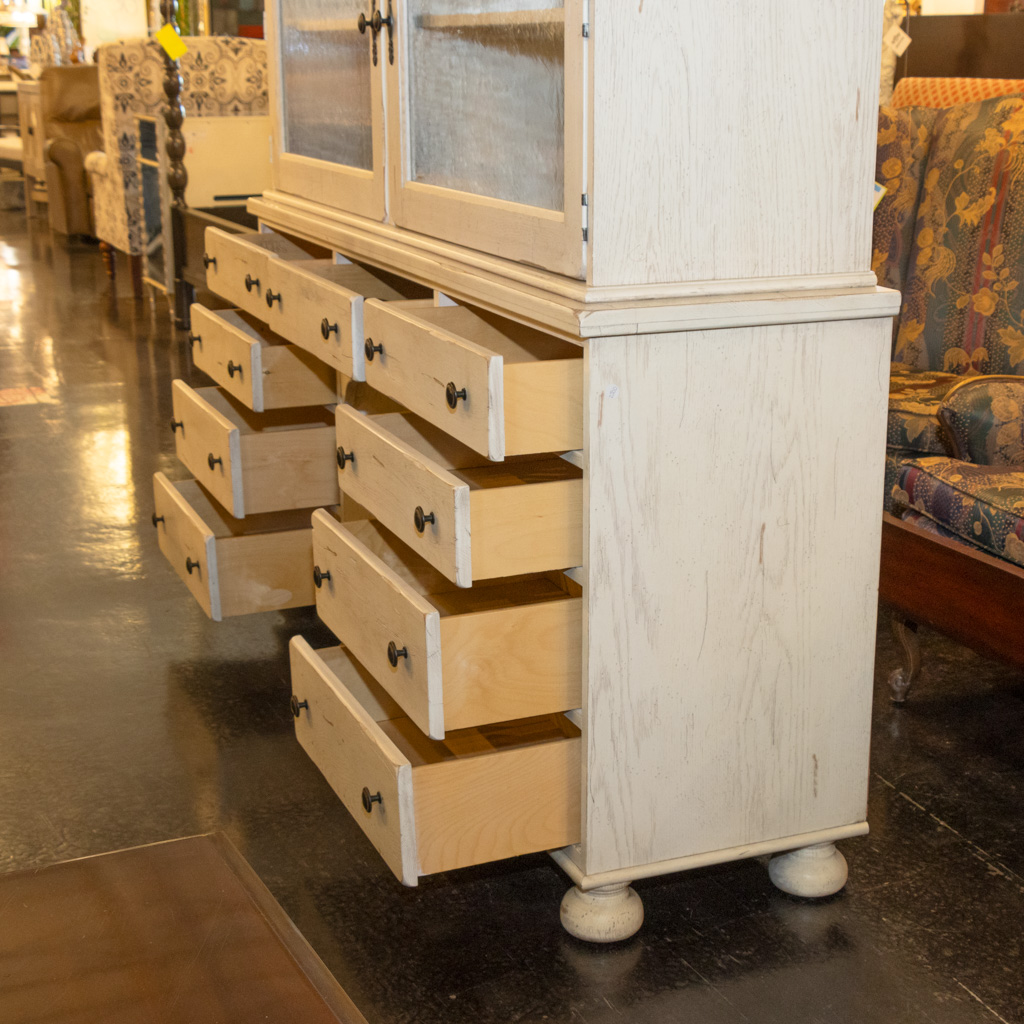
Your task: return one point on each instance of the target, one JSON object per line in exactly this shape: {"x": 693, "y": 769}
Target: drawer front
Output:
{"x": 415, "y": 367}
{"x": 261, "y": 374}
{"x": 187, "y": 542}
{"x": 369, "y": 607}
{"x": 341, "y": 736}
{"x": 393, "y": 480}
{"x": 209, "y": 445}
{"x": 483, "y": 795}
{"x": 236, "y": 269}
{"x": 321, "y": 317}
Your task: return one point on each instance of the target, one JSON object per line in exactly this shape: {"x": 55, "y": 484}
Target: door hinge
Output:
{"x": 585, "y": 202}
{"x": 586, "y": 19}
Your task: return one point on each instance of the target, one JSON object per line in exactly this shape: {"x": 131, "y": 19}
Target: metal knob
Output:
{"x": 234, "y": 368}
{"x": 298, "y": 705}
{"x": 319, "y": 577}
{"x": 395, "y": 652}
{"x": 344, "y": 456}
{"x": 251, "y": 282}
{"x": 177, "y": 425}
{"x": 369, "y": 799}
{"x": 369, "y": 348}
{"x": 453, "y": 394}
{"x": 193, "y": 338}
{"x": 156, "y": 519}
{"x": 326, "y": 327}
{"x": 190, "y": 565}
{"x": 211, "y": 461}
{"x": 420, "y": 519}
{"x": 209, "y": 261}
{"x": 272, "y": 297}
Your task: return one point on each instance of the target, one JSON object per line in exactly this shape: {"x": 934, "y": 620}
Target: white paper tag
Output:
{"x": 897, "y": 40}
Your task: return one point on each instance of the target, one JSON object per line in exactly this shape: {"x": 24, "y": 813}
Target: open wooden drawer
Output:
{"x": 255, "y": 462}
{"x": 318, "y": 305}
{"x": 233, "y": 566}
{"x": 236, "y": 265}
{"x": 452, "y": 658}
{"x": 469, "y": 518}
{"x": 255, "y": 365}
{"x": 497, "y": 386}
{"x": 482, "y": 795}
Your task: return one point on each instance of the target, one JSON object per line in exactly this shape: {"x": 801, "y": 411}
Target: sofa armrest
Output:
{"x": 984, "y": 419}
{"x": 96, "y": 164}
{"x": 66, "y": 155}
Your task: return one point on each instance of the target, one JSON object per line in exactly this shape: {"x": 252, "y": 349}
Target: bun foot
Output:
{"x": 812, "y": 872}
{"x": 608, "y": 914}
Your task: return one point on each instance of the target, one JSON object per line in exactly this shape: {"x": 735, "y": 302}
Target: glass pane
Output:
{"x": 154, "y": 240}
{"x": 486, "y": 97}
{"x": 325, "y": 68}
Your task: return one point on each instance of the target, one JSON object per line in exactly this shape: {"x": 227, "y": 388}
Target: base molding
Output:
{"x": 585, "y": 882}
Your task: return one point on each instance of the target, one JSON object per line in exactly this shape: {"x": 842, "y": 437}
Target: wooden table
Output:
{"x": 182, "y": 931}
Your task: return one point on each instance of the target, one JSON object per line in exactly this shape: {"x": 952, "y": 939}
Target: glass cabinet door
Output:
{"x": 329, "y": 125}
{"x": 485, "y": 127}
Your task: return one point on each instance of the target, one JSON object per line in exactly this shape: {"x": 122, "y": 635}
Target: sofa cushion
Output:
{"x": 914, "y": 400}
{"x": 904, "y": 137}
{"x": 984, "y": 420}
{"x": 963, "y": 304}
{"x": 983, "y": 505}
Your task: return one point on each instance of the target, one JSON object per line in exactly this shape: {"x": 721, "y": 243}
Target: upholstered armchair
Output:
{"x": 70, "y": 107}
{"x": 221, "y": 76}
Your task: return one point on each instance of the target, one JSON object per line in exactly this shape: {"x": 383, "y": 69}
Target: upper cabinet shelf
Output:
{"x": 494, "y": 19}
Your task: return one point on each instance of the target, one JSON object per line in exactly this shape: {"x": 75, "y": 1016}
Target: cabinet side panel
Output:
{"x": 734, "y": 520}
{"x": 732, "y": 140}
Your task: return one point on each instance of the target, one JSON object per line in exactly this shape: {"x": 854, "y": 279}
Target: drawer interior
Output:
{"x": 368, "y": 283}
{"x": 254, "y": 329}
{"x": 248, "y": 422}
{"x": 223, "y": 525}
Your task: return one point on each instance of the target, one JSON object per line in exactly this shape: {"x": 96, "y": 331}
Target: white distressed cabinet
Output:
{"x": 654, "y": 362}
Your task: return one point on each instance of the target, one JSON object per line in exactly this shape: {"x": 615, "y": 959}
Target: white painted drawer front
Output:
{"x": 233, "y": 567}
{"x": 318, "y": 305}
{"x": 499, "y": 387}
{"x": 255, "y": 462}
{"x": 469, "y": 518}
{"x": 256, "y": 366}
{"x": 471, "y": 657}
{"x": 482, "y": 795}
{"x": 236, "y": 265}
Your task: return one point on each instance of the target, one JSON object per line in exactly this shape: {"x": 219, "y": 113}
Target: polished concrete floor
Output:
{"x": 127, "y": 717}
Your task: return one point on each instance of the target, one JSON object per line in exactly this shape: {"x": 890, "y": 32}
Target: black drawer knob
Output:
{"x": 395, "y": 652}
{"x": 209, "y": 261}
{"x": 193, "y": 338}
{"x": 177, "y": 425}
{"x": 272, "y": 297}
{"x": 298, "y": 705}
{"x": 190, "y": 565}
{"x": 234, "y": 368}
{"x": 420, "y": 519}
{"x": 369, "y": 799}
{"x": 156, "y": 519}
{"x": 326, "y": 327}
{"x": 369, "y": 348}
{"x": 211, "y": 461}
{"x": 251, "y": 282}
{"x": 344, "y": 456}
{"x": 319, "y": 577}
{"x": 453, "y": 394}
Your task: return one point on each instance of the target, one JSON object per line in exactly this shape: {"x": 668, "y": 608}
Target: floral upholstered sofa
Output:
{"x": 949, "y": 234}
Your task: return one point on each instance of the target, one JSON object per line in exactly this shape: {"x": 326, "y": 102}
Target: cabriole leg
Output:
{"x": 902, "y": 678}
{"x": 812, "y": 872}
{"x": 608, "y": 914}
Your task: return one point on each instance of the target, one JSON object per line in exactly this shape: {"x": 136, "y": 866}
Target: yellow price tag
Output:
{"x": 169, "y": 39}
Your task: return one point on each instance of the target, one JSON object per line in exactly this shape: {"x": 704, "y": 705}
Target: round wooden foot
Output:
{"x": 899, "y": 685}
{"x": 812, "y": 872}
{"x": 608, "y": 914}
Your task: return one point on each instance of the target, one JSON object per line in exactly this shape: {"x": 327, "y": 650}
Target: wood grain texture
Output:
{"x": 754, "y": 168}
{"x": 732, "y": 552}
{"x": 266, "y": 373}
{"x": 964, "y": 593}
{"x": 183, "y": 534}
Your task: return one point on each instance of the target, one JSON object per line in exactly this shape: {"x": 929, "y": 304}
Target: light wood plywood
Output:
{"x": 707, "y": 168}
{"x": 732, "y": 552}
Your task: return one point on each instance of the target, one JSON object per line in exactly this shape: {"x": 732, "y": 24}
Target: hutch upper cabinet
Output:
{"x": 594, "y": 140}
